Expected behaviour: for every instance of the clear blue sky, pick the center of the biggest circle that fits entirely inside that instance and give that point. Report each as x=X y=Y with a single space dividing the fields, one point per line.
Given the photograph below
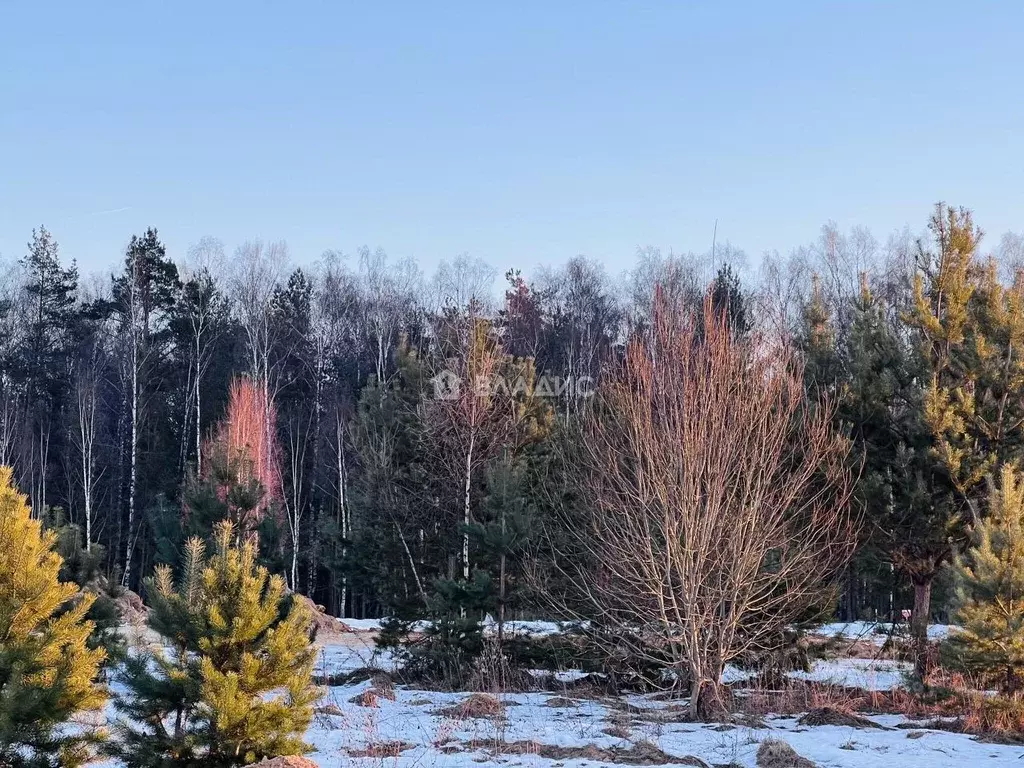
x=520 y=134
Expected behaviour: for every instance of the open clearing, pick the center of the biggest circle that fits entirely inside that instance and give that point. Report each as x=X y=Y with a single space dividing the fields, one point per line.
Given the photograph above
x=552 y=729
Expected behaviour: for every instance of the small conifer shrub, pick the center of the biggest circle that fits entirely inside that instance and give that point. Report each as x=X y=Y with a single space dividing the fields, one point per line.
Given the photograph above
x=236 y=683
x=47 y=668
x=990 y=577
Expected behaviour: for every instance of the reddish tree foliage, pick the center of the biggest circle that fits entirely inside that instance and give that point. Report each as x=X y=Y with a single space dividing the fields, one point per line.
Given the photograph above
x=244 y=447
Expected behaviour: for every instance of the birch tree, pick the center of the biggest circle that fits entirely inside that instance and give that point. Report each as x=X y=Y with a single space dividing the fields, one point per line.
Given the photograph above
x=200 y=320
x=475 y=410
x=389 y=290
x=256 y=275
x=88 y=385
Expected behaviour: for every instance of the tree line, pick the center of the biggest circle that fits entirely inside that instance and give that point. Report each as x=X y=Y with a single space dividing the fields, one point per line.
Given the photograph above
x=380 y=487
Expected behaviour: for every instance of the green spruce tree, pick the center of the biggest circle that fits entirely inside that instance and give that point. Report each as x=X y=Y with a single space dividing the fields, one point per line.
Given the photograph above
x=47 y=669
x=903 y=488
x=728 y=298
x=236 y=684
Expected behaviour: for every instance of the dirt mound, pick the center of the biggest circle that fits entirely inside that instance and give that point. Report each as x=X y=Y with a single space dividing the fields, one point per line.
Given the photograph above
x=131 y=608
x=323 y=622
x=833 y=716
x=476 y=705
x=292 y=761
x=778 y=754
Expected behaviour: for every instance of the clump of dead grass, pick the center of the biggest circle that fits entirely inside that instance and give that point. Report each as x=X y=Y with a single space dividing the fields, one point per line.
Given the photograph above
x=834 y=716
x=381 y=749
x=639 y=753
x=476 y=705
x=774 y=753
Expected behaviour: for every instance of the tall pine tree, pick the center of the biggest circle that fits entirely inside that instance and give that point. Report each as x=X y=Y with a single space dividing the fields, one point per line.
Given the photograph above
x=43 y=366
x=970 y=330
x=142 y=297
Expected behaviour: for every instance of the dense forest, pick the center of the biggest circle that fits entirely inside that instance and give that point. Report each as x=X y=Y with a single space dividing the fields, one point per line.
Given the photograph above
x=388 y=486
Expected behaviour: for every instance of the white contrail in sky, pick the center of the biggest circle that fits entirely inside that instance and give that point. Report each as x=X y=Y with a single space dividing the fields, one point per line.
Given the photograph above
x=112 y=210
x=94 y=214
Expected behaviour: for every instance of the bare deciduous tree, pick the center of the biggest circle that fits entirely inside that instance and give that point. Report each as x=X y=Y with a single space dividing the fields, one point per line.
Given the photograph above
x=257 y=273
x=462 y=282
x=714 y=507
x=10 y=328
x=202 y=307
x=482 y=413
x=463 y=423
x=587 y=321
x=389 y=290
x=88 y=383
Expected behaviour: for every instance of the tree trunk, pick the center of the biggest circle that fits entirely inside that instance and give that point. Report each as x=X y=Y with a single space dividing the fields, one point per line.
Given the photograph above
x=343 y=518
x=695 y=692
x=919 y=623
x=467 y=518
x=412 y=564
x=501 y=590
x=85 y=433
x=295 y=556
x=133 y=468
x=199 y=409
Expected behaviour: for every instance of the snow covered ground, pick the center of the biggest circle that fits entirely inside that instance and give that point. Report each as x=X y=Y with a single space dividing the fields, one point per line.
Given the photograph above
x=548 y=730
x=877 y=632
x=869 y=674
x=442 y=741
x=535 y=628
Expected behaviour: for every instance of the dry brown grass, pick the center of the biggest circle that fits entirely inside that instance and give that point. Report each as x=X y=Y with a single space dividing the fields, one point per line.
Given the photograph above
x=778 y=754
x=291 y=761
x=332 y=710
x=617 y=731
x=381 y=749
x=476 y=705
x=994 y=718
x=952 y=702
x=798 y=697
x=640 y=753
x=833 y=716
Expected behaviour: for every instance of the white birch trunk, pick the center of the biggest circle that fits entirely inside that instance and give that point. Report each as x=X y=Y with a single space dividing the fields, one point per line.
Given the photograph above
x=466 y=505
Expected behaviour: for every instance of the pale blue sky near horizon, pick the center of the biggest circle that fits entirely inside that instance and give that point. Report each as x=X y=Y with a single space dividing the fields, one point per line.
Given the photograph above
x=520 y=133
